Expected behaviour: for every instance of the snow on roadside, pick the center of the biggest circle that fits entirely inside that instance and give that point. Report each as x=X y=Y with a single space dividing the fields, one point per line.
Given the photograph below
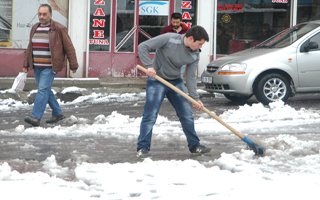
x=254 y=119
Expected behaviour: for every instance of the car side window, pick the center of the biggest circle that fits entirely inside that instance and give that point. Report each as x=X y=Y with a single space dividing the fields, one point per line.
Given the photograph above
x=313 y=44
x=316 y=39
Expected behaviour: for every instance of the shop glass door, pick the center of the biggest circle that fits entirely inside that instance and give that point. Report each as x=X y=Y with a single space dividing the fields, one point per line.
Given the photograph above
x=136 y=21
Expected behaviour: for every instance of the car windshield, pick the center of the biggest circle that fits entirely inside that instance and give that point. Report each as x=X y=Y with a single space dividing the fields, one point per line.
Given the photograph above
x=288 y=36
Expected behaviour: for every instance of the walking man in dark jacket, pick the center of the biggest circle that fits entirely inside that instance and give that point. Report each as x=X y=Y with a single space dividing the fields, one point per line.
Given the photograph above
x=49 y=44
x=172 y=51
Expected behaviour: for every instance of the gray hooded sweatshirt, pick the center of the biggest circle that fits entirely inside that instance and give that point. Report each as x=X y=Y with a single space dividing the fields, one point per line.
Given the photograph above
x=171 y=55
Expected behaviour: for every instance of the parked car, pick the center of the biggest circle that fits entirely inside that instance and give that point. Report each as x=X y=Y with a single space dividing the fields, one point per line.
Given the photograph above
x=276 y=69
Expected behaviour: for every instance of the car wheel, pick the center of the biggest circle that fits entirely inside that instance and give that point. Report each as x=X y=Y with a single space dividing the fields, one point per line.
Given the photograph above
x=237 y=98
x=272 y=87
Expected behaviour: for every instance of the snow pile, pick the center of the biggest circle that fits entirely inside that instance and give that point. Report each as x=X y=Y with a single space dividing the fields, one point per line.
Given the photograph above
x=9 y=104
x=240 y=175
x=73 y=89
x=258 y=118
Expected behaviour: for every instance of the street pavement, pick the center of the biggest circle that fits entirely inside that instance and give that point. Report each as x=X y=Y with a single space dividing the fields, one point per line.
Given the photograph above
x=95 y=149
x=70 y=150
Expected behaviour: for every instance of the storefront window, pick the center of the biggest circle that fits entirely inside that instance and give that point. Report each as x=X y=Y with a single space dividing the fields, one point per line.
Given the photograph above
x=308 y=10
x=100 y=25
x=125 y=28
x=18 y=16
x=242 y=24
x=5 y=23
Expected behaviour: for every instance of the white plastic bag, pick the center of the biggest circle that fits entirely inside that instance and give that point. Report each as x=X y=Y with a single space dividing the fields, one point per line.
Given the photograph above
x=19 y=81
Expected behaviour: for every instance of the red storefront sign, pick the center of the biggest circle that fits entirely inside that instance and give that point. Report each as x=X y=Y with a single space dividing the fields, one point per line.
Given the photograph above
x=230 y=7
x=98 y=26
x=186 y=6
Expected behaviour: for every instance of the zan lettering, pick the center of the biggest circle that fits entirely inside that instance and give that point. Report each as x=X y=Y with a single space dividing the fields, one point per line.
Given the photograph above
x=99 y=2
x=99 y=12
x=186 y=16
x=186 y=5
x=99 y=23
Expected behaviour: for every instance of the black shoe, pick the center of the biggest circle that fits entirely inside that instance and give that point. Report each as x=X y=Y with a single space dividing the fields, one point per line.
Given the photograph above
x=143 y=153
x=55 y=119
x=32 y=120
x=201 y=149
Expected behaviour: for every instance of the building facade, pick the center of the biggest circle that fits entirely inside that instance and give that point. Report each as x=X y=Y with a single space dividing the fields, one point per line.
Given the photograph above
x=106 y=33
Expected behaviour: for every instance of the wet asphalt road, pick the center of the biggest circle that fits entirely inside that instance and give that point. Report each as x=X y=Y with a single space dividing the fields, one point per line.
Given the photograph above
x=96 y=149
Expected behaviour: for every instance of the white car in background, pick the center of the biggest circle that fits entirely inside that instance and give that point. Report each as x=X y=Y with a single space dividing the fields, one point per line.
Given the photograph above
x=285 y=64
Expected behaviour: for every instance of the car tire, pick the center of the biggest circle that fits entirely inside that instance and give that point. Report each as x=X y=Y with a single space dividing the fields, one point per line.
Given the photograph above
x=240 y=99
x=272 y=87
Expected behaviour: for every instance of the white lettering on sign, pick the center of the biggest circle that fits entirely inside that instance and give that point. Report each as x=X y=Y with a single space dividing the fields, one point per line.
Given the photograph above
x=279 y=1
x=99 y=42
x=154 y=8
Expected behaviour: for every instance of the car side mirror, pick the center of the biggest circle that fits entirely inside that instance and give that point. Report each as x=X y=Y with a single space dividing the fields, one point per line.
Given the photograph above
x=310 y=46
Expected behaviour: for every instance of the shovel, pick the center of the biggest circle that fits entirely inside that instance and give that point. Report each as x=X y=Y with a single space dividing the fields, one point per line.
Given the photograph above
x=258 y=149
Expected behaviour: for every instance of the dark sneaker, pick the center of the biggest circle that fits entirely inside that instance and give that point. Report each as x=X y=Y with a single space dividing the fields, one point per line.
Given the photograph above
x=32 y=120
x=55 y=119
x=143 y=153
x=201 y=149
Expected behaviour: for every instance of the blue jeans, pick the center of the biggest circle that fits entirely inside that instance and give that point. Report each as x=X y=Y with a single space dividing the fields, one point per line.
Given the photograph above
x=44 y=79
x=155 y=93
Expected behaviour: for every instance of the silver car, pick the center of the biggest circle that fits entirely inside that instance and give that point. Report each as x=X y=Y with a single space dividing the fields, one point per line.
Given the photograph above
x=285 y=64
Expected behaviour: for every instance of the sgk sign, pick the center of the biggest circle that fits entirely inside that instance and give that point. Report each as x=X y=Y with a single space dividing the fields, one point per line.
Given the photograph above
x=154 y=8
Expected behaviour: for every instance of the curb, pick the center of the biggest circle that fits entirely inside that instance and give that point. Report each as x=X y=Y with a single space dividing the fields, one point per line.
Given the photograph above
x=110 y=82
